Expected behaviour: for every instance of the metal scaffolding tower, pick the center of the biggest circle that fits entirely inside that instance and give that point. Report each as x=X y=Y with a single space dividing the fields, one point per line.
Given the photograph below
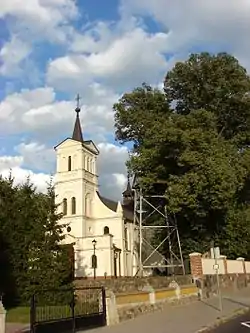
x=154 y=206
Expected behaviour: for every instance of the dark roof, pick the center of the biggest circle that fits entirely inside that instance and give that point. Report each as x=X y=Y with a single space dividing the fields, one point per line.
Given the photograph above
x=108 y=202
x=77 y=133
x=128 y=212
x=128 y=191
x=111 y=204
x=87 y=143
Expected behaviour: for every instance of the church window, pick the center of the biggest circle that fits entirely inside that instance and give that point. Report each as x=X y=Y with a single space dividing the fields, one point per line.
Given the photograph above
x=69 y=163
x=65 y=208
x=106 y=230
x=73 y=205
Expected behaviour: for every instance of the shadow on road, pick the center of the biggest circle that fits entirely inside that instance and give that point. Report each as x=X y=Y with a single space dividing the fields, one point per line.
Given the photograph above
x=236 y=302
x=210 y=305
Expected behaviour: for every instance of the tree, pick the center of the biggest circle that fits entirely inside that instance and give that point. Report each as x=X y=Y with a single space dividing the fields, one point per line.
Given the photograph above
x=137 y=111
x=196 y=152
x=49 y=262
x=8 y=286
x=33 y=232
x=216 y=83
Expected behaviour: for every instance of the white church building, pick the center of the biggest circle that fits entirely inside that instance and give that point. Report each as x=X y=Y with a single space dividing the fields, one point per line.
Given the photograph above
x=101 y=231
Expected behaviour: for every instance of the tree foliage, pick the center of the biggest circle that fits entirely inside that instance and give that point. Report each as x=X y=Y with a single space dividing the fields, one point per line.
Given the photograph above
x=32 y=257
x=196 y=151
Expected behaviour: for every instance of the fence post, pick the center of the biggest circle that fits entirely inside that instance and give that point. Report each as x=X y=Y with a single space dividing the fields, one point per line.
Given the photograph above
x=224 y=258
x=73 y=312
x=104 y=307
x=2 y=317
x=196 y=265
x=197 y=271
x=32 y=313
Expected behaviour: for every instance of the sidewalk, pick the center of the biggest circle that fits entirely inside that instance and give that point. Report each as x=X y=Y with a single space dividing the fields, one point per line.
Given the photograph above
x=183 y=319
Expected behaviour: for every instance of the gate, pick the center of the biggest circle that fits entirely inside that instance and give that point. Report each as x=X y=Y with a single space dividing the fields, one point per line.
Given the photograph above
x=68 y=311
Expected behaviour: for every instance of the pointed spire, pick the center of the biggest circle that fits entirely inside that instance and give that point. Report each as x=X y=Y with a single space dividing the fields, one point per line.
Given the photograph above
x=77 y=133
x=128 y=191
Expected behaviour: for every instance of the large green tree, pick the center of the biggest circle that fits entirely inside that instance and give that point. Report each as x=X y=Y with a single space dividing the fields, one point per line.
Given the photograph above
x=31 y=255
x=216 y=83
x=196 y=151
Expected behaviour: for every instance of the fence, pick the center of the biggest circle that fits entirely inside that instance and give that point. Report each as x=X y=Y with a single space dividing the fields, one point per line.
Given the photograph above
x=208 y=266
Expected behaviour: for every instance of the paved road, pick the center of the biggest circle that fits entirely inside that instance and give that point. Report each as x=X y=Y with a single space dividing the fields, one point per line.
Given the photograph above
x=235 y=325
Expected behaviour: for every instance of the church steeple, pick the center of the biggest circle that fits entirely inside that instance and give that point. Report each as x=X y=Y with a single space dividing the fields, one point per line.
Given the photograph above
x=77 y=133
x=127 y=194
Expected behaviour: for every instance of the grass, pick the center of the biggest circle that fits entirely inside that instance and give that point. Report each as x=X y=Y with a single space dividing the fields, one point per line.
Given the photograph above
x=22 y=314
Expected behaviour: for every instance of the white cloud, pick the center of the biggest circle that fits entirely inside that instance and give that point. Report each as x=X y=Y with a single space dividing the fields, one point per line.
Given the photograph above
x=12 y=54
x=37 y=156
x=38 y=112
x=112 y=169
x=224 y=24
x=40 y=18
x=40 y=180
x=111 y=166
x=9 y=162
x=13 y=165
x=128 y=59
x=33 y=21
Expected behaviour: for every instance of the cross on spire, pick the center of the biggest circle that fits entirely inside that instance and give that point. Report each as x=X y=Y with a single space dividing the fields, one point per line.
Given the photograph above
x=77 y=133
x=78 y=109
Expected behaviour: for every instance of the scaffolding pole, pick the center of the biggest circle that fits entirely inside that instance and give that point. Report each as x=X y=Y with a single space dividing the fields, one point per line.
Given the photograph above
x=172 y=235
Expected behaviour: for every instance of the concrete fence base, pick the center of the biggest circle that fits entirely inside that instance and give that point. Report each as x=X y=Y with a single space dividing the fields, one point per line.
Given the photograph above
x=121 y=307
x=2 y=318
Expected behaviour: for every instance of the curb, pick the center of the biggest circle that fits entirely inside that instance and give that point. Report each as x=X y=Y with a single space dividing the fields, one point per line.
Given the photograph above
x=224 y=319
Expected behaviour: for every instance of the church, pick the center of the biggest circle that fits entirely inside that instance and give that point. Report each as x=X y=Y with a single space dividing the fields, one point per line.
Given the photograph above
x=101 y=231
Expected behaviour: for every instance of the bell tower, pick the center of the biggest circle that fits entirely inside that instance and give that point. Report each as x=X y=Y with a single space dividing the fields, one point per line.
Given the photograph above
x=76 y=179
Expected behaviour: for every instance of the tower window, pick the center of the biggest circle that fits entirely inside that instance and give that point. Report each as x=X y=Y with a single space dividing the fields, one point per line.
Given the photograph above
x=73 y=205
x=65 y=206
x=106 y=230
x=69 y=163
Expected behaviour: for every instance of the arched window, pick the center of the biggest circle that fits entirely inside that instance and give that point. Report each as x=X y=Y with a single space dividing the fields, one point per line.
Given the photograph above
x=73 y=205
x=69 y=163
x=65 y=206
x=106 y=230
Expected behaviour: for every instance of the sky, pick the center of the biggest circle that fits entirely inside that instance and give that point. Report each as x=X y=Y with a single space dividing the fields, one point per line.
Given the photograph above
x=51 y=50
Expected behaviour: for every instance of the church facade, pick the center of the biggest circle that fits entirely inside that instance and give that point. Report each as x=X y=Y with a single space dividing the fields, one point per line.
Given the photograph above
x=100 y=230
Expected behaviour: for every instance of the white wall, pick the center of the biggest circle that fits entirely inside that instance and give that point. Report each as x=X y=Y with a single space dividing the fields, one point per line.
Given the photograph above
x=247 y=264
x=208 y=266
x=235 y=266
x=83 y=256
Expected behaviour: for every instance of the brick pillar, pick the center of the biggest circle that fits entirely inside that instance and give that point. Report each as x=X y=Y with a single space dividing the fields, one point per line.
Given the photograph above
x=224 y=258
x=243 y=263
x=196 y=265
x=244 y=274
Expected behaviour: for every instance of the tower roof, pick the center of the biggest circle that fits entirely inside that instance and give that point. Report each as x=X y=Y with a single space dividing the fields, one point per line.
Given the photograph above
x=77 y=133
x=128 y=191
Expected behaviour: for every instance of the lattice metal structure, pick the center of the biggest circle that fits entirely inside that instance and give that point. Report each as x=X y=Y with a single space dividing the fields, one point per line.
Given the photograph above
x=153 y=208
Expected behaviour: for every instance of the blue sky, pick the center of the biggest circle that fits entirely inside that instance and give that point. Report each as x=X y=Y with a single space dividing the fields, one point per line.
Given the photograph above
x=50 y=50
